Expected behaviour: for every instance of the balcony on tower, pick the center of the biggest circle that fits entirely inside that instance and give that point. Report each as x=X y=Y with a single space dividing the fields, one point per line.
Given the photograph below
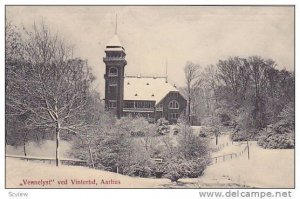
x=115 y=59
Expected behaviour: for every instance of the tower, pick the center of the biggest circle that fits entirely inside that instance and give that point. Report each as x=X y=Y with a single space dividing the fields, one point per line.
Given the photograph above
x=114 y=76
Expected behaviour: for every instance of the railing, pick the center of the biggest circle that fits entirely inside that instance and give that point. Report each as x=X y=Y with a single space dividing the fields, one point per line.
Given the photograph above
x=223 y=145
x=230 y=156
x=114 y=59
x=138 y=109
x=44 y=159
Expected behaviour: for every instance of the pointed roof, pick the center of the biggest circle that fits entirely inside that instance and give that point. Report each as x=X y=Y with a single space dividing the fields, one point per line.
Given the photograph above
x=115 y=41
x=114 y=44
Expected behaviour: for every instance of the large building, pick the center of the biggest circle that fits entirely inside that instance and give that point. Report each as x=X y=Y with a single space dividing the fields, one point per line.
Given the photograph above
x=151 y=97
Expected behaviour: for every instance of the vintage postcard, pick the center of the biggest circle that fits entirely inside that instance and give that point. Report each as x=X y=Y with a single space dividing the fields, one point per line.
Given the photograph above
x=149 y=97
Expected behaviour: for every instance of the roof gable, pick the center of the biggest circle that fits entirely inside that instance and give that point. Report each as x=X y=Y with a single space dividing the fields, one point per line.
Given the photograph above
x=170 y=93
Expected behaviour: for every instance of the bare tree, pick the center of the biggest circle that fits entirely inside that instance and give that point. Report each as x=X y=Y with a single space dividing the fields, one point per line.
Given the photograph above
x=210 y=75
x=48 y=87
x=234 y=73
x=259 y=75
x=191 y=71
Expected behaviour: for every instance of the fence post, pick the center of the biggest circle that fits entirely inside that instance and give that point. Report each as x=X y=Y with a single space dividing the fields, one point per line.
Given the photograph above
x=248 y=150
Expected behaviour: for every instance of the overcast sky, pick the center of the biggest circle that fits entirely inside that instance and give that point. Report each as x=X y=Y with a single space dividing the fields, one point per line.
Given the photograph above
x=155 y=34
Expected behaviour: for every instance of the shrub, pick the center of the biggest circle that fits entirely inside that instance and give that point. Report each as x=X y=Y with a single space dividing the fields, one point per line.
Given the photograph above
x=134 y=126
x=179 y=167
x=279 y=136
x=115 y=149
x=139 y=163
x=277 y=141
x=174 y=170
x=162 y=126
x=188 y=157
x=243 y=136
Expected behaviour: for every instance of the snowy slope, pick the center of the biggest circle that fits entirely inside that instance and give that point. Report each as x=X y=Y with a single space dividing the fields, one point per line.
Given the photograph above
x=45 y=149
x=267 y=168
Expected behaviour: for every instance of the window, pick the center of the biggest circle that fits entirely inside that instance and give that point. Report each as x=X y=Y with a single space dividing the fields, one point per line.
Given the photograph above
x=113 y=81
x=112 y=93
x=112 y=104
x=129 y=104
x=113 y=72
x=160 y=107
x=143 y=104
x=173 y=116
x=173 y=105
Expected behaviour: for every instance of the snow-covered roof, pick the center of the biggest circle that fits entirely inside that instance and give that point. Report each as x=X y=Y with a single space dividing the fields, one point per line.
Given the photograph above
x=115 y=41
x=146 y=88
x=114 y=44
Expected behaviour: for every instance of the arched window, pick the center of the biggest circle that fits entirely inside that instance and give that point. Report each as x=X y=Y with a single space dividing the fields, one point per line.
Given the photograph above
x=173 y=104
x=113 y=72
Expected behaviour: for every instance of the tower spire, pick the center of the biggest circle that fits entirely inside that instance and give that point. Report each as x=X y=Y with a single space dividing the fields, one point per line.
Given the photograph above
x=116 y=28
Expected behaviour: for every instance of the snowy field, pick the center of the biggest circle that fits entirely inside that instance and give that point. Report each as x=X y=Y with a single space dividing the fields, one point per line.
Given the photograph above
x=46 y=149
x=267 y=168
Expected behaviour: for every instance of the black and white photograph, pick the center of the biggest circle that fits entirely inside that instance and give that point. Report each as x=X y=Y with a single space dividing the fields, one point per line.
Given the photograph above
x=149 y=96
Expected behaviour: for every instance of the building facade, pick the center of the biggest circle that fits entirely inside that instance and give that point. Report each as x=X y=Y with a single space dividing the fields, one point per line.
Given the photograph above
x=150 y=97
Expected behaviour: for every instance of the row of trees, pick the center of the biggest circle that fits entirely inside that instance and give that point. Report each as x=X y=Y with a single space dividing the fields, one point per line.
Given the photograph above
x=248 y=93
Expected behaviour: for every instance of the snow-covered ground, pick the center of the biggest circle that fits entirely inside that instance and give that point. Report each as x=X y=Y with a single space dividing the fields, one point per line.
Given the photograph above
x=267 y=168
x=45 y=149
x=17 y=171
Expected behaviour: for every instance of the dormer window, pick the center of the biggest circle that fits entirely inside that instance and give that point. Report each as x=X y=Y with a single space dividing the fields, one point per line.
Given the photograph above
x=113 y=72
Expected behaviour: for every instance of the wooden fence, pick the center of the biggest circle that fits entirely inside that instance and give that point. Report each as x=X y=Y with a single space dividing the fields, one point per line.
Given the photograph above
x=48 y=159
x=223 y=145
x=230 y=156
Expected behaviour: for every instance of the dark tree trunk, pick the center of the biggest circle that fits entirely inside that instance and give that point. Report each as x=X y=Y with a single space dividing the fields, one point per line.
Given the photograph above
x=248 y=150
x=189 y=110
x=57 y=137
x=24 y=144
x=91 y=156
x=6 y=142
